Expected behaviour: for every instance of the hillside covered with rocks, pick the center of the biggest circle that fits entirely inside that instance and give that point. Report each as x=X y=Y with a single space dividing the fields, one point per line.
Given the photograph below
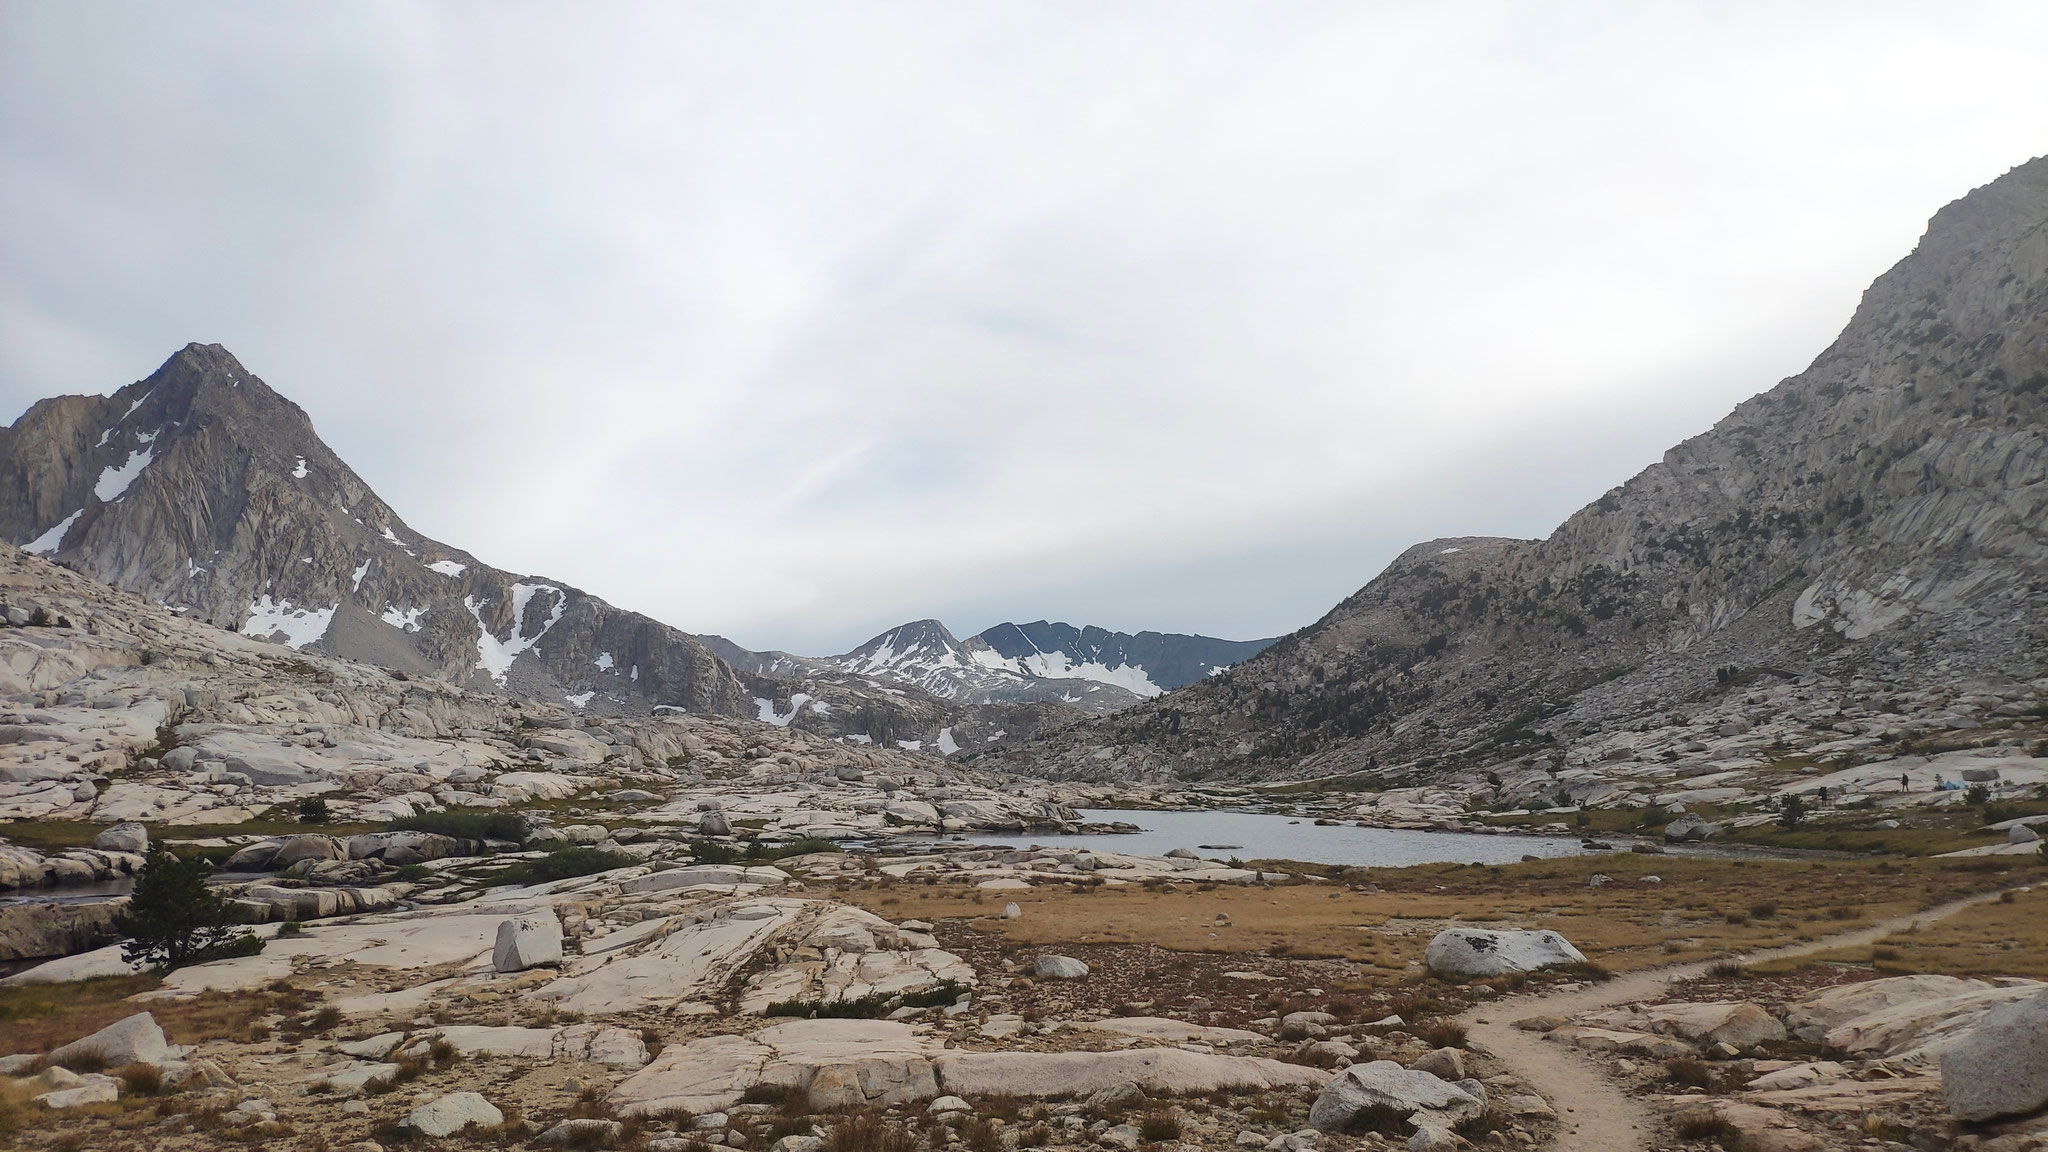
x=1873 y=530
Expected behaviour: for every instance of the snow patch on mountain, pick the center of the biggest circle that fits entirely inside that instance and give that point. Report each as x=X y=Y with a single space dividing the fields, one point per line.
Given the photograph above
x=449 y=568
x=407 y=620
x=52 y=540
x=355 y=580
x=496 y=656
x=769 y=715
x=1060 y=666
x=300 y=626
x=116 y=478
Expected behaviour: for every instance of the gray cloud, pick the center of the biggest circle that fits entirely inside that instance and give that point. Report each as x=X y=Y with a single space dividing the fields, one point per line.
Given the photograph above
x=791 y=323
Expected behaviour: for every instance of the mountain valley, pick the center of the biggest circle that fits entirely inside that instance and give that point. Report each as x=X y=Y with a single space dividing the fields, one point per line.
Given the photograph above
x=483 y=860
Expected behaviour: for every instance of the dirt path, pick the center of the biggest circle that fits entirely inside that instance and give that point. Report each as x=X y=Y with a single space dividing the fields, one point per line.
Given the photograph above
x=1596 y=1115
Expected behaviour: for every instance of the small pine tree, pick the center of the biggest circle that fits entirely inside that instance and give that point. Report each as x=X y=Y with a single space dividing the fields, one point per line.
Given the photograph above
x=174 y=918
x=1791 y=811
x=312 y=810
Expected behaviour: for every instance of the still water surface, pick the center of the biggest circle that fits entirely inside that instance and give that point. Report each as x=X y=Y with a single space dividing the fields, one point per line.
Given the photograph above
x=1259 y=836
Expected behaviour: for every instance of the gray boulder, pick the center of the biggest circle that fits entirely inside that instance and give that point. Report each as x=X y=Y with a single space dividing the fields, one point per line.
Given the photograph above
x=133 y=1040
x=402 y=847
x=253 y=857
x=1387 y=1084
x=1058 y=968
x=447 y=1115
x=308 y=847
x=1477 y=953
x=2000 y=1067
x=123 y=838
x=1690 y=827
x=2017 y=834
x=1443 y=1063
x=713 y=823
x=527 y=941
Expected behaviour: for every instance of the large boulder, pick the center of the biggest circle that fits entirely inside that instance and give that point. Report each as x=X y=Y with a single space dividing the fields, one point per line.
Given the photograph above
x=129 y=837
x=1476 y=953
x=253 y=857
x=1688 y=827
x=714 y=823
x=1386 y=1084
x=2017 y=834
x=133 y=1040
x=1717 y=1022
x=527 y=941
x=307 y=847
x=452 y=1113
x=402 y=847
x=1058 y=968
x=2000 y=1067
x=1903 y=1017
x=34 y=931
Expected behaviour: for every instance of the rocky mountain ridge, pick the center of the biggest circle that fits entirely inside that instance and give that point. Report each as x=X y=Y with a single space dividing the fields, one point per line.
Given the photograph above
x=1092 y=669
x=202 y=488
x=1877 y=523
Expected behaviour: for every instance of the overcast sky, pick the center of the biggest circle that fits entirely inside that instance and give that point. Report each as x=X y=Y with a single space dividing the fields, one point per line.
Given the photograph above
x=795 y=321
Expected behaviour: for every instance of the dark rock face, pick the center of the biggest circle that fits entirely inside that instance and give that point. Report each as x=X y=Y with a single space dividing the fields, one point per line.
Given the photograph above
x=1166 y=660
x=1883 y=514
x=203 y=489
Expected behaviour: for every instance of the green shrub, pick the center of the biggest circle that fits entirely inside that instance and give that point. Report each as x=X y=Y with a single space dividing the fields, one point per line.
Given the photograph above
x=712 y=852
x=563 y=863
x=313 y=810
x=465 y=825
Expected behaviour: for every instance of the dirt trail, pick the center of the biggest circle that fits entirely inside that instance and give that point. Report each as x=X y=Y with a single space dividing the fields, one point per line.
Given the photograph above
x=1597 y=1116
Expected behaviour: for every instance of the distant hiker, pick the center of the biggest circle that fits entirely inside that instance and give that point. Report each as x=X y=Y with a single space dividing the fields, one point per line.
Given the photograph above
x=1823 y=794
x=1904 y=784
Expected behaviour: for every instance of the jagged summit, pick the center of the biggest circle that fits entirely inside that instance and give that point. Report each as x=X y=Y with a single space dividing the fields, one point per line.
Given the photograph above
x=202 y=488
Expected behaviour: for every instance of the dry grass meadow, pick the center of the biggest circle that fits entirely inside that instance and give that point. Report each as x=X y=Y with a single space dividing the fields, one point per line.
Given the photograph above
x=1383 y=919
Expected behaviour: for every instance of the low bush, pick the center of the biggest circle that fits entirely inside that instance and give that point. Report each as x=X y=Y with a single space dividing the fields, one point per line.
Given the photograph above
x=1154 y=1127
x=563 y=863
x=465 y=825
x=1384 y=1119
x=1439 y=1033
x=757 y=851
x=141 y=1079
x=868 y=1007
x=712 y=852
x=868 y=1132
x=1691 y=1073
x=1707 y=1128
x=980 y=1134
